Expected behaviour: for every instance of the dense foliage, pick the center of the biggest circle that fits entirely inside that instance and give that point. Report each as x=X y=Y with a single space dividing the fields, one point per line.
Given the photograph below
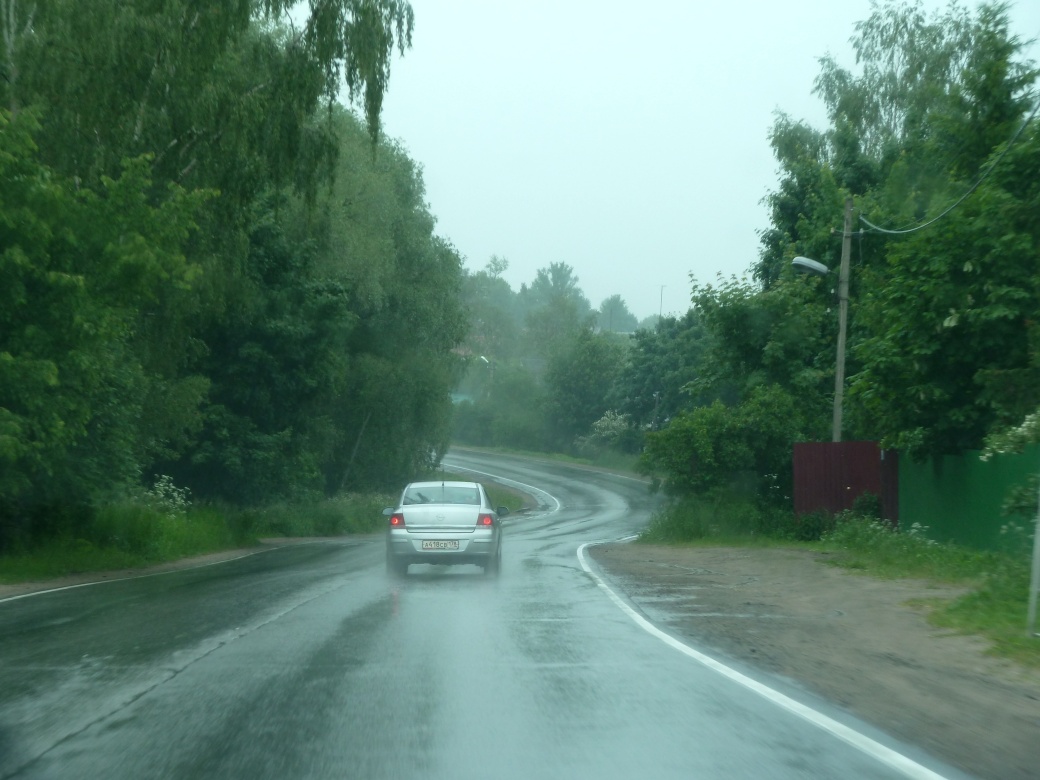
x=211 y=270
x=933 y=137
x=204 y=259
x=933 y=140
x=545 y=371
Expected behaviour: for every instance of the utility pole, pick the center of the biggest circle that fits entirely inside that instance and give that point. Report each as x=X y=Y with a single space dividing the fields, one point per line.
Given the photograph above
x=660 y=305
x=843 y=315
x=1034 y=582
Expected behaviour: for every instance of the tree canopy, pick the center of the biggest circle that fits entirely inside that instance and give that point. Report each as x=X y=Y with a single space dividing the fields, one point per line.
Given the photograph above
x=212 y=270
x=204 y=257
x=933 y=119
x=933 y=135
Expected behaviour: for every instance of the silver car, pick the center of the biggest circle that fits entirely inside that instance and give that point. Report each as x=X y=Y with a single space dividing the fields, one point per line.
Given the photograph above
x=444 y=523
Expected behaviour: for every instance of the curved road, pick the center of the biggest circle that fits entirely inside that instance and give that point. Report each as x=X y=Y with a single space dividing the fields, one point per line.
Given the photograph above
x=309 y=662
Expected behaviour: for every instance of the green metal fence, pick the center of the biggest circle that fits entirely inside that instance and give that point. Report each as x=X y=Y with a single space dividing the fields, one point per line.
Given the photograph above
x=959 y=497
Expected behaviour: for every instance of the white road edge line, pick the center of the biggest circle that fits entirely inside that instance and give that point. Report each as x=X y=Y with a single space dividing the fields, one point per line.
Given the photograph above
x=142 y=576
x=861 y=742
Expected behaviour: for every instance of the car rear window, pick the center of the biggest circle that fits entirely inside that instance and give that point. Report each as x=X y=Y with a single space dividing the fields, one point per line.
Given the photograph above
x=442 y=494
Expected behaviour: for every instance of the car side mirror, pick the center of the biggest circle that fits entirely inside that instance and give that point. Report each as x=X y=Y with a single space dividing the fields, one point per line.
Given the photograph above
x=388 y=511
x=502 y=511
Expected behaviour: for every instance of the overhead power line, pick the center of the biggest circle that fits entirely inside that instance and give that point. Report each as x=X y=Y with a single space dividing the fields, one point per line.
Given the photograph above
x=985 y=175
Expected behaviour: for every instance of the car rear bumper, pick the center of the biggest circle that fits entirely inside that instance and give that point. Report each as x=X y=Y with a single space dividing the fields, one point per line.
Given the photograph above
x=407 y=548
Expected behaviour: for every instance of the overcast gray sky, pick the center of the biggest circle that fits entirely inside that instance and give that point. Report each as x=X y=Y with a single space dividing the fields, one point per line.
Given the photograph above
x=628 y=140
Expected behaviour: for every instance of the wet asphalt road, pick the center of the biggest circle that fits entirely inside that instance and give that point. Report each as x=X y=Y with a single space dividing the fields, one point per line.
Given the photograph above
x=309 y=662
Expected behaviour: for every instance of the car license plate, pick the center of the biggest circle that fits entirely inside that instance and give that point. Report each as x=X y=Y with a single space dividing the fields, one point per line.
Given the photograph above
x=440 y=544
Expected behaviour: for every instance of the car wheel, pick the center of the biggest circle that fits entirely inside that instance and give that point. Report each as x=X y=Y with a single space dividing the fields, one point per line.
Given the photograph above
x=396 y=568
x=494 y=565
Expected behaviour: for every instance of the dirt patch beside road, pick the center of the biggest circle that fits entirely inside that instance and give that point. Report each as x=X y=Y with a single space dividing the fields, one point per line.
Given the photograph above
x=850 y=638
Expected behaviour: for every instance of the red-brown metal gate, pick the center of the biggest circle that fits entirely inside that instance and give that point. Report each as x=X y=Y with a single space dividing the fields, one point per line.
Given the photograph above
x=829 y=476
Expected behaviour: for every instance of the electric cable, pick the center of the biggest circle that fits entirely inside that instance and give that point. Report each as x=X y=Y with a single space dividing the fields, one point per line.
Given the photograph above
x=876 y=229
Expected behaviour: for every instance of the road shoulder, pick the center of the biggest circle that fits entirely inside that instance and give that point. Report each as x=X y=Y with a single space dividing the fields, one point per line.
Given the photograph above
x=852 y=639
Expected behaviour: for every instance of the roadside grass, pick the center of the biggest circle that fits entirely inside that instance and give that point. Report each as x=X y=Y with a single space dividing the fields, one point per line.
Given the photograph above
x=354 y=513
x=997 y=582
x=63 y=557
x=137 y=533
x=996 y=603
x=875 y=546
x=725 y=517
x=123 y=535
x=163 y=525
x=997 y=611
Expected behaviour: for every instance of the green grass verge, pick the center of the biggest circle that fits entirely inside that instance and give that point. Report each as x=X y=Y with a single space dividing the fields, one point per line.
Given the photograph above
x=997 y=611
x=135 y=534
x=725 y=516
x=997 y=583
x=996 y=603
x=349 y=514
x=138 y=533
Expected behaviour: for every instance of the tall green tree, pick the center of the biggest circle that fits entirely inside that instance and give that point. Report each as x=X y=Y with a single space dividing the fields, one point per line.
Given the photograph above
x=578 y=381
x=396 y=419
x=494 y=316
x=661 y=365
x=555 y=309
x=76 y=267
x=950 y=350
x=227 y=304
x=934 y=102
x=934 y=95
x=332 y=368
x=779 y=337
x=613 y=315
x=186 y=82
x=804 y=206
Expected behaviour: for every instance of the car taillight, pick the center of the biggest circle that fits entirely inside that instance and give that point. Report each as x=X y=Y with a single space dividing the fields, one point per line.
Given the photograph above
x=397 y=520
x=485 y=520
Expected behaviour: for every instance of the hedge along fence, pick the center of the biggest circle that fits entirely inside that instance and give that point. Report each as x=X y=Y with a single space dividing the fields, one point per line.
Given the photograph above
x=959 y=497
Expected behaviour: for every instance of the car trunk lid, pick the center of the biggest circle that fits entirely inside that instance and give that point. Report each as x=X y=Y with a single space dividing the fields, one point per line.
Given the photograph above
x=441 y=517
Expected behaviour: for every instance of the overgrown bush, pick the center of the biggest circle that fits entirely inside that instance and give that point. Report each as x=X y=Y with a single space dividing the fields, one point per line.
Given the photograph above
x=808 y=527
x=143 y=530
x=718 y=514
x=708 y=447
x=611 y=432
x=353 y=513
x=731 y=513
x=867 y=504
x=887 y=548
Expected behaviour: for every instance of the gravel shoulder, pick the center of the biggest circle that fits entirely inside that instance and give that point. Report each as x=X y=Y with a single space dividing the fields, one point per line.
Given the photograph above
x=854 y=640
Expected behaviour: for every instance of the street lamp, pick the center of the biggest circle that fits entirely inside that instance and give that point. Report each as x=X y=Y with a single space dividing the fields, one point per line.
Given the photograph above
x=815 y=267
x=491 y=373
x=810 y=266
